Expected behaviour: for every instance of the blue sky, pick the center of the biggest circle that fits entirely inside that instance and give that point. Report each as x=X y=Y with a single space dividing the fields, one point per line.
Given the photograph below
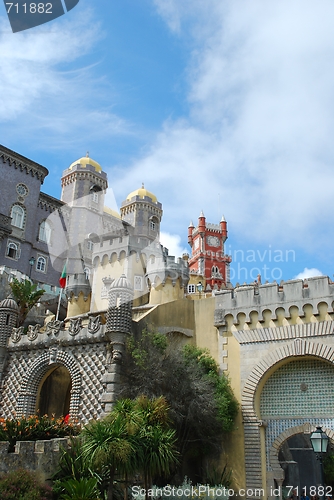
x=224 y=106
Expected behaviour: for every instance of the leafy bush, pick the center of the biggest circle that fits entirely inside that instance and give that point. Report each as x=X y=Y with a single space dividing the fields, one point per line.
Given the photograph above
x=84 y=489
x=23 y=485
x=202 y=404
x=35 y=427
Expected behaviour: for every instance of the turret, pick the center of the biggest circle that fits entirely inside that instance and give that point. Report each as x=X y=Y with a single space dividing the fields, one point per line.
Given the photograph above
x=119 y=326
x=201 y=223
x=208 y=262
x=223 y=227
x=190 y=233
x=78 y=292
x=9 y=312
x=143 y=212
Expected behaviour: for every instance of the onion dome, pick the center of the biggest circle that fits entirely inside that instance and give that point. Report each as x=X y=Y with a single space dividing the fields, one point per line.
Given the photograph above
x=9 y=304
x=142 y=192
x=86 y=160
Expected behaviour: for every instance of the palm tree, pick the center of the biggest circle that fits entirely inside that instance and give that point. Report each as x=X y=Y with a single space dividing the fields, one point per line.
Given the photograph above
x=156 y=440
x=26 y=296
x=108 y=446
x=136 y=436
x=157 y=453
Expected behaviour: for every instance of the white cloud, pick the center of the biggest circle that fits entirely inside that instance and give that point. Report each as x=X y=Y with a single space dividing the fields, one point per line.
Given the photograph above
x=173 y=243
x=260 y=128
x=308 y=273
x=43 y=96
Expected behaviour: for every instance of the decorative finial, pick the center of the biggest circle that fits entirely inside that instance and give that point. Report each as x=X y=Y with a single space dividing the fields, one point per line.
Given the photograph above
x=142 y=185
x=87 y=154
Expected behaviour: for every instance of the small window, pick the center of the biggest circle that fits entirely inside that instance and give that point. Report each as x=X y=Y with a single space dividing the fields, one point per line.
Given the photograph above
x=90 y=245
x=44 y=232
x=152 y=225
x=191 y=288
x=12 y=250
x=95 y=197
x=22 y=189
x=17 y=215
x=41 y=264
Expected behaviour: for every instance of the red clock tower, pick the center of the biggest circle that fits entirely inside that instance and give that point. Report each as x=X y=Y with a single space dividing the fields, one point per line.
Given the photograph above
x=207 y=252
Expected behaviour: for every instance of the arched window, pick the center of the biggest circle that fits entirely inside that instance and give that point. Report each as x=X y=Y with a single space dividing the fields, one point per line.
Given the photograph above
x=44 y=232
x=41 y=264
x=17 y=214
x=12 y=250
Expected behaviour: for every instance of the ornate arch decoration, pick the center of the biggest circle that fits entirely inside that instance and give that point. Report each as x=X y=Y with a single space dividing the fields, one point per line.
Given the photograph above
x=292 y=431
x=31 y=381
x=299 y=347
x=252 y=424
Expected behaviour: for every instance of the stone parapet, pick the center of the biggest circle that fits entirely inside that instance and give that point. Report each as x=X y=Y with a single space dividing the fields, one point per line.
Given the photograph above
x=296 y=294
x=35 y=456
x=168 y=266
x=55 y=334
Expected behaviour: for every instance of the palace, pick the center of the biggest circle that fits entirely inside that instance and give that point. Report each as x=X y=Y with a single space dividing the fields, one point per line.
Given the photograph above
x=274 y=341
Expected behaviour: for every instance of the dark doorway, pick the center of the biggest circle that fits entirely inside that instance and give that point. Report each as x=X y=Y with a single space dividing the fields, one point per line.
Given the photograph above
x=55 y=393
x=301 y=467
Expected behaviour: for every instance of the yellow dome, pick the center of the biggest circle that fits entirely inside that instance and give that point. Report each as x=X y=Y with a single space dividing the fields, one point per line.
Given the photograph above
x=110 y=211
x=85 y=160
x=141 y=193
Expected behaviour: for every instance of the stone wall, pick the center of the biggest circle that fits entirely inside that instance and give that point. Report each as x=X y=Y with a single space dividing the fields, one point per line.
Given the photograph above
x=35 y=456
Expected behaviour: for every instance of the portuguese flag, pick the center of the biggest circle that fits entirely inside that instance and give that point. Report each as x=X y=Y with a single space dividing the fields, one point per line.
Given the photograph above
x=62 y=279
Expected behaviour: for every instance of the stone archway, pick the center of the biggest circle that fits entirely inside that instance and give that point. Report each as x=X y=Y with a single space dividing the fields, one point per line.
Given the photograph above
x=54 y=393
x=40 y=367
x=252 y=423
x=307 y=428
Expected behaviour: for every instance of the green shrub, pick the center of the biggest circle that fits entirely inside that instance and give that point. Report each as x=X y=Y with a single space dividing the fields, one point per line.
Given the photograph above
x=83 y=489
x=23 y=485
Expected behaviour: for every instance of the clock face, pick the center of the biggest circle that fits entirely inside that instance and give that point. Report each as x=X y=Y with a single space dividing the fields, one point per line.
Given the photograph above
x=213 y=241
x=22 y=189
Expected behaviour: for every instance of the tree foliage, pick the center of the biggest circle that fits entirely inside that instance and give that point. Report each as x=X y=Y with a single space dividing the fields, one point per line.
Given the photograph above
x=26 y=295
x=135 y=437
x=202 y=404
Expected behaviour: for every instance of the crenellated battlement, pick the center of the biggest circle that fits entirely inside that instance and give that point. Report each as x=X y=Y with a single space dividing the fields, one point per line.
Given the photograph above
x=276 y=305
x=168 y=266
x=36 y=456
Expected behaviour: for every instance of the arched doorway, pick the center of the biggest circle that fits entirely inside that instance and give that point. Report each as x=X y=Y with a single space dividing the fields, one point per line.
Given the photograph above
x=298 y=395
x=54 y=392
x=299 y=462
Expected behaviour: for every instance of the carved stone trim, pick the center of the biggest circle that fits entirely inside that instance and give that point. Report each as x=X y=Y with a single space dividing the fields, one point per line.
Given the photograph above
x=318 y=329
x=33 y=332
x=30 y=384
x=16 y=334
x=53 y=327
x=75 y=327
x=94 y=324
x=298 y=347
x=23 y=163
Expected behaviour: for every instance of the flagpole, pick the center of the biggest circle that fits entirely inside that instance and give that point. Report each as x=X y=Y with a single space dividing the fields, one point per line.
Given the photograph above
x=59 y=300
